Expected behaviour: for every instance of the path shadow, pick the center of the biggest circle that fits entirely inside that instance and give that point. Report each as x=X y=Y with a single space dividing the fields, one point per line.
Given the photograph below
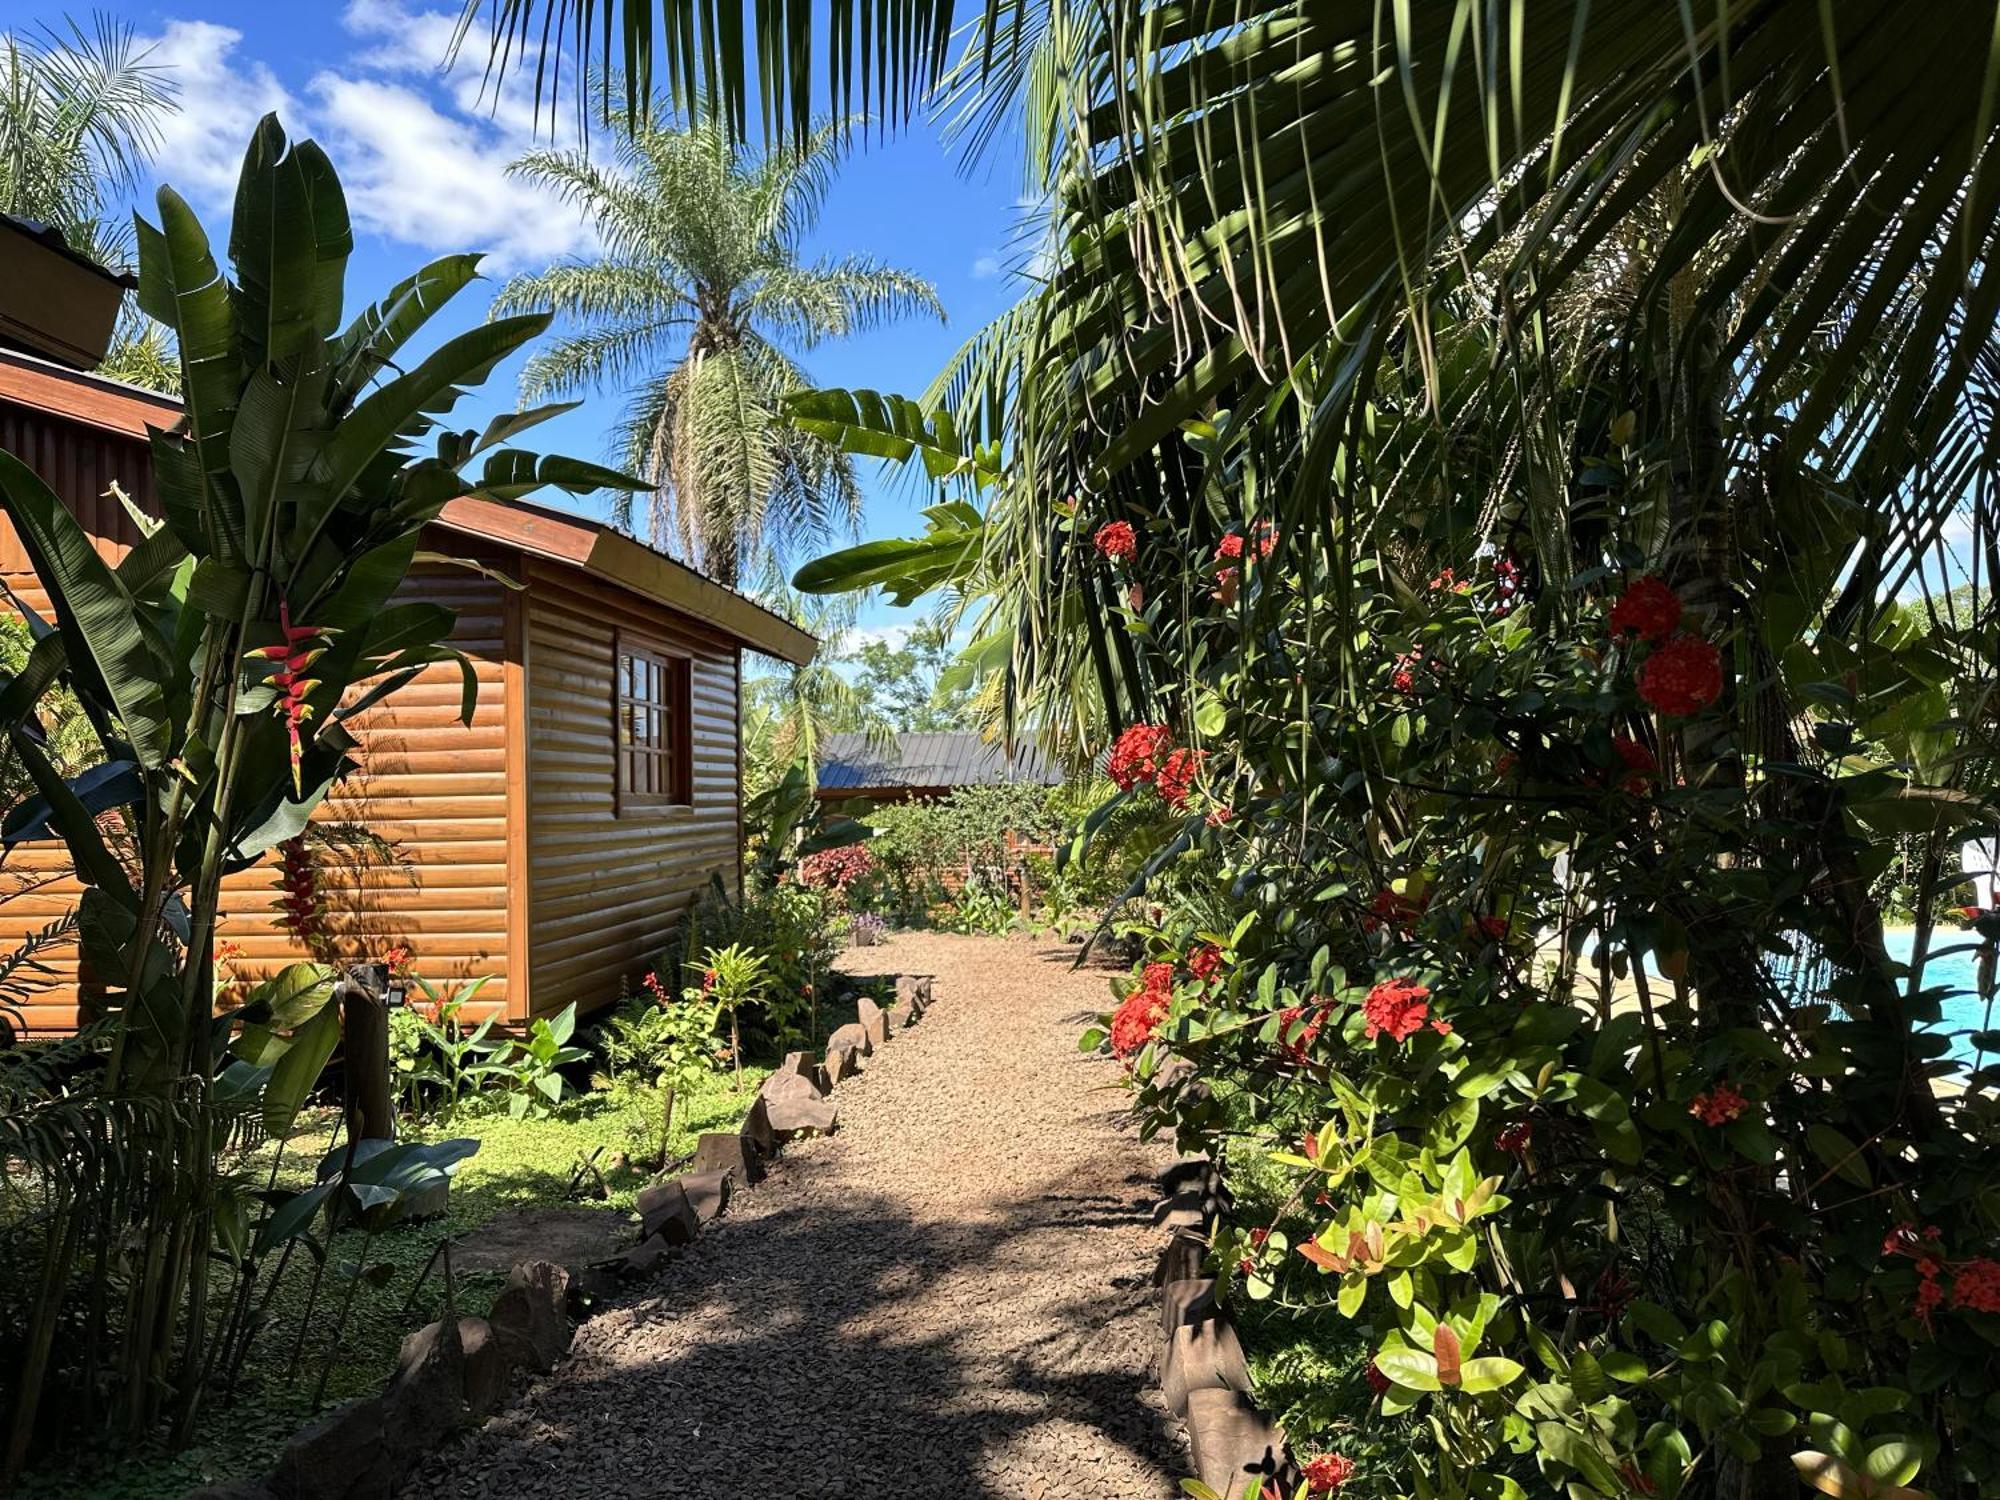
x=780 y=1356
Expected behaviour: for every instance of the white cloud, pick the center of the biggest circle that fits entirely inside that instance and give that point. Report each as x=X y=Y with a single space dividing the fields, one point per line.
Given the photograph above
x=221 y=101
x=438 y=180
x=892 y=636
x=422 y=153
x=987 y=265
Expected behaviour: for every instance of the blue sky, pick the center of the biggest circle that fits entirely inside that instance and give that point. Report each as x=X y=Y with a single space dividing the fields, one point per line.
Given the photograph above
x=423 y=155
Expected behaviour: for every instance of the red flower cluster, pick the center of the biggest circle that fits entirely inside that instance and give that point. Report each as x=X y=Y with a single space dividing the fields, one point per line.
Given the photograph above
x=1448 y=582
x=1975 y=1286
x=1328 y=1472
x=1515 y=1139
x=835 y=869
x=1298 y=1043
x=1922 y=1248
x=1404 y=678
x=1681 y=676
x=1398 y=1007
x=1719 y=1105
x=298 y=881
x=227 y=952
x=1177 y=775
x=1117 y=541
x=1204 y=962
x=300 y=648
x=1230 y=546
x=709 y=980
x=657 y=988
x=1493 y=929
x=1135 y=1021
x=1649 y=610
x=1377 y=1381
x=1392 y=908
x=1261 y=542
x=1137 y=754
x=1506 y=584
x=1640 y=766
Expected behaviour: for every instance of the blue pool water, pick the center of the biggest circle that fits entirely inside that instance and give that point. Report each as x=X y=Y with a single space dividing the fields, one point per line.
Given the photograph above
x=1951 y=967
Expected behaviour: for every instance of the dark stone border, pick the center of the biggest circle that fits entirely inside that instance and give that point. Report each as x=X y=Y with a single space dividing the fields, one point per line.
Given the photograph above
x=456 y=1372
x=1204 y=1378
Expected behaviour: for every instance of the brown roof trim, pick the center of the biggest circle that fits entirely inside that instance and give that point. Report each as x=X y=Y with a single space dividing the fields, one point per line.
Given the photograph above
x=109 y=405
x=595 y=548
x=618 y=559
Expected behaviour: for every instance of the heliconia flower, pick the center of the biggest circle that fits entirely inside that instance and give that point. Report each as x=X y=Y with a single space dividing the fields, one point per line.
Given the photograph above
x=301 y=647
x=298 y=905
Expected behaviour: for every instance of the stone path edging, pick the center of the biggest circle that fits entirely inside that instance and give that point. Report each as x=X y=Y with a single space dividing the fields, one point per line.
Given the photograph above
x=1204 y=1377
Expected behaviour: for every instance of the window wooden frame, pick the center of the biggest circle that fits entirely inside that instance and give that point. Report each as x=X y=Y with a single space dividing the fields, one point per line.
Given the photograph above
x=651 y=725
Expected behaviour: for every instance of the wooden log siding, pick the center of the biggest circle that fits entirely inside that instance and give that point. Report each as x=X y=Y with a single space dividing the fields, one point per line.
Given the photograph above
x=609 y=883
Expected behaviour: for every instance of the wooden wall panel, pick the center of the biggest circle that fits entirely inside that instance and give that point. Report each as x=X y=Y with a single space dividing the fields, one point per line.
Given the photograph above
x=433 y=791
x=607 y=885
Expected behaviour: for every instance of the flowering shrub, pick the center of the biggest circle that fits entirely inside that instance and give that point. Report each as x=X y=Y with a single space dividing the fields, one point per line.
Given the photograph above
x=1116 y=541
x=1602 y=1112
x=835 y=869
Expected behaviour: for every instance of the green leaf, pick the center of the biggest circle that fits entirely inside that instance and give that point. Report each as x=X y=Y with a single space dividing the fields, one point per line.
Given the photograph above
x=1490 y=1373
x=1410 y=1368
x=1838 y=1154
x=109 y=652
x=294 y=1074
x=893 y=428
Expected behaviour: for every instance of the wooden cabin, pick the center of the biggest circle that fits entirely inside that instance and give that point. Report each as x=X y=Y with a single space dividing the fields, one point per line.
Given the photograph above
x=555 y=842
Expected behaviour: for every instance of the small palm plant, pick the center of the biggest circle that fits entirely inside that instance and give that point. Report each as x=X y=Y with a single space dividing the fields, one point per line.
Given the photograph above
x=734 y=977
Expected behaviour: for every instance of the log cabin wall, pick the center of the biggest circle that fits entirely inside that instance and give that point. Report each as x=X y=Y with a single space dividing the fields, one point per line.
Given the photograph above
x=609 y=878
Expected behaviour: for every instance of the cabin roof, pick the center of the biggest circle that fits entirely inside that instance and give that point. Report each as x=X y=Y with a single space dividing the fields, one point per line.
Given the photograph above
x=850 y=763
x=589 y=546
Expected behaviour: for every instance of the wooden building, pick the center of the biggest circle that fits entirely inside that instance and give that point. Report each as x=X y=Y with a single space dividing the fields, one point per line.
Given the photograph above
x=555 y=842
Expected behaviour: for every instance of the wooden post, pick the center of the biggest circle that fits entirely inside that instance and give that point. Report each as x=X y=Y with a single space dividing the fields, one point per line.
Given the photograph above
x=364 y=1032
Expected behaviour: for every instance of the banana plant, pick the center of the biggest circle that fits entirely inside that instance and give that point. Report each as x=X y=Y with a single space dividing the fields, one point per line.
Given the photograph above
x=222 y=660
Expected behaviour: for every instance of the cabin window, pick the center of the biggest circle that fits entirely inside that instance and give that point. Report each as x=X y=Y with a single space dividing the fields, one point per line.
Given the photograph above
x=652 y=728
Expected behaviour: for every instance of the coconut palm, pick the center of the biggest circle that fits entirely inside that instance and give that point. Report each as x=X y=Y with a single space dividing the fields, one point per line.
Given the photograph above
x=79 y=118
x=697 y=308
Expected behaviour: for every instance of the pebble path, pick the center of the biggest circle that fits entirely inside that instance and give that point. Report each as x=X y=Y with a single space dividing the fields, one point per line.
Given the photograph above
x=950 y=1297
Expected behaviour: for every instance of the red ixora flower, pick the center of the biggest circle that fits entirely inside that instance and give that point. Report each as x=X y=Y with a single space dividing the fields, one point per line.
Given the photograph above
x=1177 y=773
x=1649 y=610
x=1117 y=541
x=1398 y=1007
x=1681 y=676
x=1137 y=754
x=1138 y=1018
x=1298 y=1027
x=1404 y=678
x=1640 y=766
x=1377 y=1381
x=1515 y=1139
x=1719 y=1105
x=1204 y=961
x=1327 y=1472
x=1219 y=816
x=1391 y=908
x=1975 y=1285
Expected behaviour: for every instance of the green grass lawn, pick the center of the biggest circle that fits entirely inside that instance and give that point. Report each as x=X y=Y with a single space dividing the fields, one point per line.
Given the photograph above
x=520 y=1163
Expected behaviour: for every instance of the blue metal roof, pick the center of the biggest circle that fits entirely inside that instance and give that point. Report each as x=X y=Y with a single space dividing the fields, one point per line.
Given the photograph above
x=848 y=762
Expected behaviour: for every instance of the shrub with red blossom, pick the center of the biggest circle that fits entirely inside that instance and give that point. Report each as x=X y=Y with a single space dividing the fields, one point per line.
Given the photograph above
x=1681 y=677
x=836 y=869
x=1176 y=778
x=1205 y=962
x=1719 y=1105
x=1137 y=755
x=1326 y=1472
x=1397 y=1007
x=1648 y=611
x=1117 y=541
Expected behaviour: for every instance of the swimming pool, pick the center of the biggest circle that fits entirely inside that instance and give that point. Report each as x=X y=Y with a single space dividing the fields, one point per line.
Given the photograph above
x=1952 y=967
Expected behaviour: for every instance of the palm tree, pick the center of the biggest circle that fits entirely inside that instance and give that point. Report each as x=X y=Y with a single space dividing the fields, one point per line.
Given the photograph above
x=787 y=712
x=79 y=119
x=697 y=307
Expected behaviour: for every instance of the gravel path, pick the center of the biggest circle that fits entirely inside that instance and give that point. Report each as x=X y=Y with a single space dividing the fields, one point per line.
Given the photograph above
x=949 y=1298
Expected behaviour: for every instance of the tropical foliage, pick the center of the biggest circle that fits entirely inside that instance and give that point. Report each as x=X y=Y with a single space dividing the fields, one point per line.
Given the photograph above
x=220 y=662
x=79 y=117
x=1494 y=472
x=697 y=311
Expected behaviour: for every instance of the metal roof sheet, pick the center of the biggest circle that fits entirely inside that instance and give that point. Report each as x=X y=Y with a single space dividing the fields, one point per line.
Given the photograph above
x=848 y=762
